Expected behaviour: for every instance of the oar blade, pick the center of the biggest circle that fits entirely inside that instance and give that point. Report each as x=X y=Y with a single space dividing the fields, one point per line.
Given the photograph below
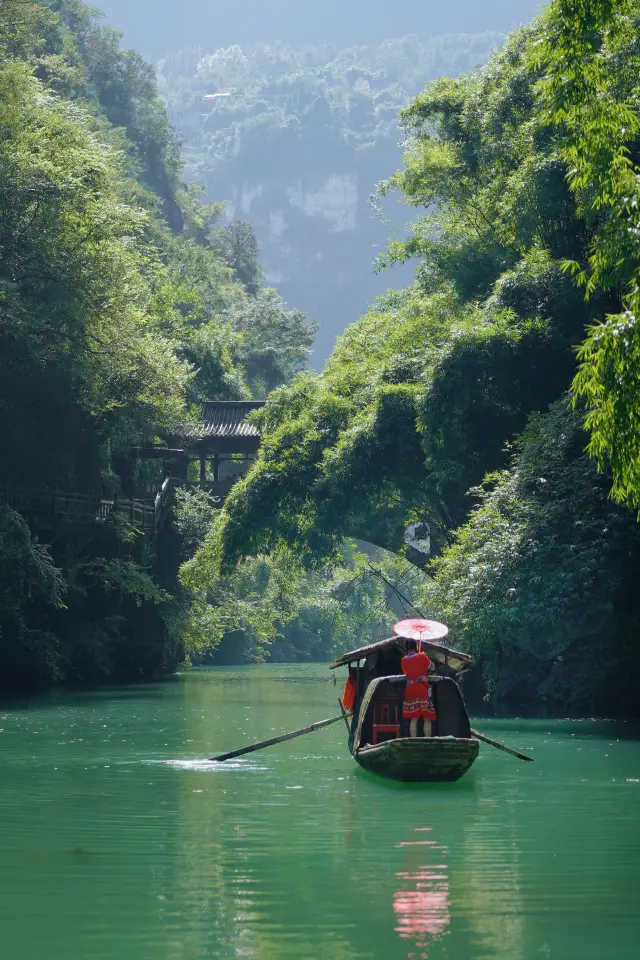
x=501 y=746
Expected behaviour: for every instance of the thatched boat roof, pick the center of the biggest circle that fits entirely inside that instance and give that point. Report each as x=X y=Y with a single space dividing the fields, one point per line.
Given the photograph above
x=454 y=659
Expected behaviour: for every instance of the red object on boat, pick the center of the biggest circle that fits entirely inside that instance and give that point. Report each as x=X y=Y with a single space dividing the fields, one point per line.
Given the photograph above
x=349 y=695
x=420 y=630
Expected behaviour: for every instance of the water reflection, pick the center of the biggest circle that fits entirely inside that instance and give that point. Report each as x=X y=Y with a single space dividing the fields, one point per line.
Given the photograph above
x=298 y=853
x=422 y=905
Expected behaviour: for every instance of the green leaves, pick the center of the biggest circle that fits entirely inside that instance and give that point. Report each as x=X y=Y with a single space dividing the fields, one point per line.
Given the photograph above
x=523 y=183
x=22 y=25
x=590 y=90
x=273 y=607
x=525 y=173
x=32 y=588
x=118 y=317
x=273 y=341
x=237 y=246
x=76 y=277
x=535 y=583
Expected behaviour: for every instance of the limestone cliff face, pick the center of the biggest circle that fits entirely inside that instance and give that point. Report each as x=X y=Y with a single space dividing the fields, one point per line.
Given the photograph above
x=329 y=205
x=295 y=142
x=335 y=200
x=331 y=202
x=318 y=240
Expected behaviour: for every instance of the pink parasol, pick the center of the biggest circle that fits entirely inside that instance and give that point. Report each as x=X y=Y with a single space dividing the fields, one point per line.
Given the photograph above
x=421 y=630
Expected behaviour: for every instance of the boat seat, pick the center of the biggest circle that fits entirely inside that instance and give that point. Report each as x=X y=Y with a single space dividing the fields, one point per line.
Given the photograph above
x=385 y=721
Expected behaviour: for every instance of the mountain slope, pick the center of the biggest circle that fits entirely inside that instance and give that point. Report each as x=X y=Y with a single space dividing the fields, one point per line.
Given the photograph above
x=295 y=141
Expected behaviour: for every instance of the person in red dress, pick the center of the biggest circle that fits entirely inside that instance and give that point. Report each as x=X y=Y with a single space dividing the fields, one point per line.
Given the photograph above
x=417 y=692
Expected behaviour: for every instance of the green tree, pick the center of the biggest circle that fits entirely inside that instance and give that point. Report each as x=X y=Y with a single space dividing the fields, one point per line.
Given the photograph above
x=22 y=23
x=81 y=295
x=31 y=587
x=237 y=245
x=589 y=52
x=271 y=607
x=297 y=139
x=538 y=584
x=274 y=340
x=114 y=323
x=421 y=395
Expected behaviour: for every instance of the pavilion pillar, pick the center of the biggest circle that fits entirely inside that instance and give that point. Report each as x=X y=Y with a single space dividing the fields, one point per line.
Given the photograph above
x=203 y=470
x=216 y=468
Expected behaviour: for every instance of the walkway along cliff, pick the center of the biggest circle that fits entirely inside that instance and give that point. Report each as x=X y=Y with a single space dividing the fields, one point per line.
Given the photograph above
x=223 y=444
x=90 y=586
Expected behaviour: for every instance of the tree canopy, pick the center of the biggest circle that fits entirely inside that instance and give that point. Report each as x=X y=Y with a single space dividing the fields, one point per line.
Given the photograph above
x=462 y=403
x=538 y=583
x=421 y=394
x=119 y=314
x=516 y=190
x=589 y=51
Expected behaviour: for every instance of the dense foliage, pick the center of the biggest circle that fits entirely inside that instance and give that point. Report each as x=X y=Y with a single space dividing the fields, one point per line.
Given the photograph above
x=590 y=52
x=423 y=395
x=539 y=583
x=270 y=607
x=31 y=587
x=123 y=304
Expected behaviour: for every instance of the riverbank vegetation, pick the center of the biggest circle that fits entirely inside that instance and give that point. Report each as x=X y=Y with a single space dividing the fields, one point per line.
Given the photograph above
x=461 y=402
x=490 y=402
x=124 y=303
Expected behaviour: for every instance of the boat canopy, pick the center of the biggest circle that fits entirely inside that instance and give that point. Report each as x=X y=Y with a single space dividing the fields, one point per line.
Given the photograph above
x=453 y=659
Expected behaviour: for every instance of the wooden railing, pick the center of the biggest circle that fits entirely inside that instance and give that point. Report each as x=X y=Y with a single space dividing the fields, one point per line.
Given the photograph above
x=144 y=515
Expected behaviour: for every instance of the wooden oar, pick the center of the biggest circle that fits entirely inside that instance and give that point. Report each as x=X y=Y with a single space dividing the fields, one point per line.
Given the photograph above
x=501 y=746
x=273 y=740
x=344 y=714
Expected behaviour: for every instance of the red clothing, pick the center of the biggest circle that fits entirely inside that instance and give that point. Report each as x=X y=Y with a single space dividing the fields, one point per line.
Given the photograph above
x=417 y=692
x=349 y=695
x=415 y=665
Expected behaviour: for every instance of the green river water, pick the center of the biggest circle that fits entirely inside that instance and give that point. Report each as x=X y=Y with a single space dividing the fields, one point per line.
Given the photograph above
x=116 y=843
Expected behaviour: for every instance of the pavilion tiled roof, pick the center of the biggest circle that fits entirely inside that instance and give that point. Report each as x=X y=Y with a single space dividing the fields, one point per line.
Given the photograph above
x=224 y=418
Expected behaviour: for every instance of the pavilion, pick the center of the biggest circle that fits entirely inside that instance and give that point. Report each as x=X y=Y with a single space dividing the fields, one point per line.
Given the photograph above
x=224 y=444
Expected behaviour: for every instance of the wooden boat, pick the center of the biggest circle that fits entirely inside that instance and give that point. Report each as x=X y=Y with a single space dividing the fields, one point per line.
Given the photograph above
x=421 y=759
x=378 y=735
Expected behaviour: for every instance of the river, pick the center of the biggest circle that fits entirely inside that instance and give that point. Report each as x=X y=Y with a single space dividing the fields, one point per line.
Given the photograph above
x=117 y=843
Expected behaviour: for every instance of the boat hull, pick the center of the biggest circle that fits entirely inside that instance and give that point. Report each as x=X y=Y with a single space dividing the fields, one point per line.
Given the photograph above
x=420 y=759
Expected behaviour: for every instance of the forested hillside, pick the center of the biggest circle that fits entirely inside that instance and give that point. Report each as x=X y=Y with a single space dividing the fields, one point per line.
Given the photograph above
x=493 y=402
x=295 y=141
x=124 y=303
x=460 y=402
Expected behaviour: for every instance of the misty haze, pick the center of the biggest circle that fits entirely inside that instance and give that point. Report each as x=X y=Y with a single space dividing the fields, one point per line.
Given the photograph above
x=304 y=124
